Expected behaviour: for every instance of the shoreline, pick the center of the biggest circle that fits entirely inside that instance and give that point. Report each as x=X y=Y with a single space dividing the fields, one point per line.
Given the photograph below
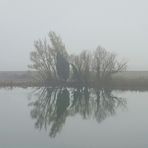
x=128 y=80
x=123 y=85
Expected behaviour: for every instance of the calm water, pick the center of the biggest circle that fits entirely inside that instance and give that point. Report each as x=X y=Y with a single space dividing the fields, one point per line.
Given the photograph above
x=73 y=118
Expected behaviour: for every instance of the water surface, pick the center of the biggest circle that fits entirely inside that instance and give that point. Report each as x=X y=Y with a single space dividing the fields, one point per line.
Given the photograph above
x=73 y=118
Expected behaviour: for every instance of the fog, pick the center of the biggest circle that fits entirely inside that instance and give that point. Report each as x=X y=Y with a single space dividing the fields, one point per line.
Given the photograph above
x=119 y=26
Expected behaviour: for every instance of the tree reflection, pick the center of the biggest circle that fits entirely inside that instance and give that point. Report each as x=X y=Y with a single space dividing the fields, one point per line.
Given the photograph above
x=51 y=106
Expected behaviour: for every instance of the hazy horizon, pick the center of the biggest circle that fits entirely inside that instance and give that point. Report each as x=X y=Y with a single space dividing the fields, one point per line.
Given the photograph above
x=119 y=26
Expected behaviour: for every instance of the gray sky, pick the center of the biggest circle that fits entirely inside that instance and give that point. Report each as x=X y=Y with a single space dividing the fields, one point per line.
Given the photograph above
x=118 y=25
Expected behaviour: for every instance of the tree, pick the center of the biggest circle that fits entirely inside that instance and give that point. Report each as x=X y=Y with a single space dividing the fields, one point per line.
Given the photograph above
x=81 y=65
x=62 y=67
x=105 y=64
x=46 y=61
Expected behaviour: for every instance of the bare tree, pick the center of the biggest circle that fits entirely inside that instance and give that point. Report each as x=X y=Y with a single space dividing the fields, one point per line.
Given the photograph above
x=81 y=65
x=44 y=57
x=97 y=66
x=105 y=64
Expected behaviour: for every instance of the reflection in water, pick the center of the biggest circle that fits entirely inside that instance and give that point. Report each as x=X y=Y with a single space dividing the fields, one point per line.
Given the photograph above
x=53 y=105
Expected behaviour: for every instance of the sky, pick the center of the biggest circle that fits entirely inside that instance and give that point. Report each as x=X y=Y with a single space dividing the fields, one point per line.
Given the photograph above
x=120 y=26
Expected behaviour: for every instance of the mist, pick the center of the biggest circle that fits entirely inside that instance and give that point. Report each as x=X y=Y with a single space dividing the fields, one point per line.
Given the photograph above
x=119 y=26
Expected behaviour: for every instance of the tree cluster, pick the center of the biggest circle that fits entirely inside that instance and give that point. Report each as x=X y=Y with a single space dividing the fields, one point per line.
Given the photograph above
x=53 y=63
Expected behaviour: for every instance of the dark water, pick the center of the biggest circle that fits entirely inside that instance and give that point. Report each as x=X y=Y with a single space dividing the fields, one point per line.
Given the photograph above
x=73 y=118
